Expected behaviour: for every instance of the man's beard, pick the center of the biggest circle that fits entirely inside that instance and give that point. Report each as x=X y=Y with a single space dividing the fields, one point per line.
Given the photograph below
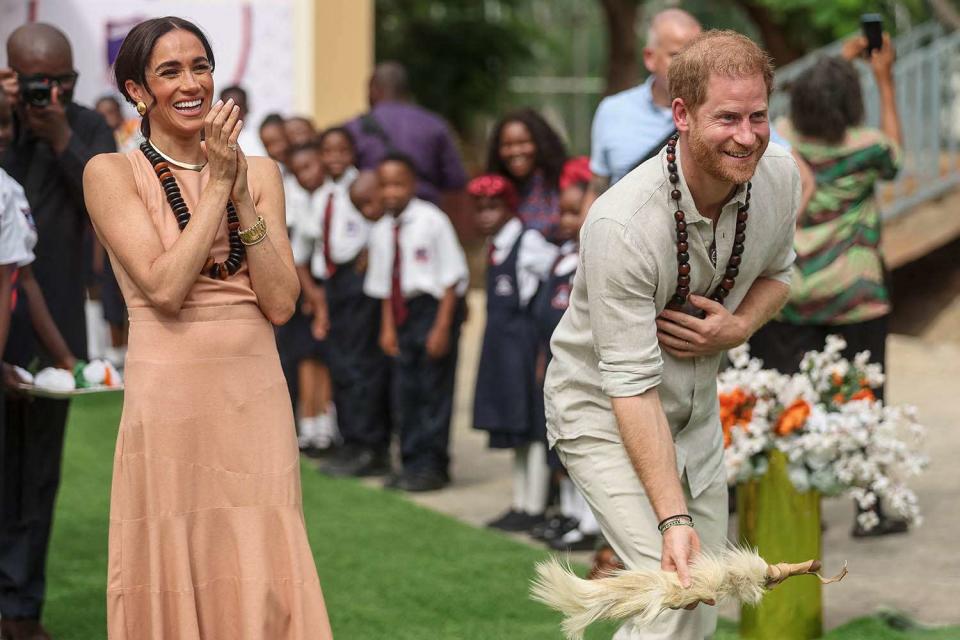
x=711 y=160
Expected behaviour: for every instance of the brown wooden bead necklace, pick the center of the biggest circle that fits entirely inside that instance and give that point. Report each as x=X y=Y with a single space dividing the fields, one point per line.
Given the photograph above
x=679 y=297
x=172 y=191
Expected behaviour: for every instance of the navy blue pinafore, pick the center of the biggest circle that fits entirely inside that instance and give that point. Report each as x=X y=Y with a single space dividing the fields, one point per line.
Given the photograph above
x=551 y=303
x=508 y=401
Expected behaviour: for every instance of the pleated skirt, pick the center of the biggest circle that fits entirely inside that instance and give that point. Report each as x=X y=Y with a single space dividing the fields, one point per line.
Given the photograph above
x=207 y=536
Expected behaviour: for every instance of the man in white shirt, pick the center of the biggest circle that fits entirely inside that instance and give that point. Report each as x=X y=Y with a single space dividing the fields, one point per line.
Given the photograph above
x=419 y=272
x=631 y=392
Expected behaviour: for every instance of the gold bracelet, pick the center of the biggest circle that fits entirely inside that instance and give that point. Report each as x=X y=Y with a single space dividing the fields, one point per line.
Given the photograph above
x=255 y=234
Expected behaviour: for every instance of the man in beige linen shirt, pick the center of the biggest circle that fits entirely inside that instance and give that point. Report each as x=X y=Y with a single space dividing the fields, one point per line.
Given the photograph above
x=631 y=391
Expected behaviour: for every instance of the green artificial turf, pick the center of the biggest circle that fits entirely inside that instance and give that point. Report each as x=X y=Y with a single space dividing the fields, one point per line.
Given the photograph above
x=389 y=569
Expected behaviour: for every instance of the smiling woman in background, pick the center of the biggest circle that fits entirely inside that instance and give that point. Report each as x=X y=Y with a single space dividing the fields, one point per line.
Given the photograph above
x=207 y=538
x=525 y=149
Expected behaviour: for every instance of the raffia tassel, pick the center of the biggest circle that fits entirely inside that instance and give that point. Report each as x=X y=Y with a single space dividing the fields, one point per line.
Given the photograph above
x=737 y=573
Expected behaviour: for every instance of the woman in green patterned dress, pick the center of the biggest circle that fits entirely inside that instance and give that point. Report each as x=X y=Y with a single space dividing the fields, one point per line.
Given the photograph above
x=839 y=280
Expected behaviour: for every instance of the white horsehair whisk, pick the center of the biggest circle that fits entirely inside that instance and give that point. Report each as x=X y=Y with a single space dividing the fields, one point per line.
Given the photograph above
x=642 y=594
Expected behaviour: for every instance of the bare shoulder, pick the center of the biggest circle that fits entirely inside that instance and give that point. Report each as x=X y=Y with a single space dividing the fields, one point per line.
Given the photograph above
x=263 y=169
x=107 y=179
x=105 y=167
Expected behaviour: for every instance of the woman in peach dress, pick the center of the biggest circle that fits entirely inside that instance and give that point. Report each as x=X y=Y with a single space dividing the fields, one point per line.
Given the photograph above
x=207 y=537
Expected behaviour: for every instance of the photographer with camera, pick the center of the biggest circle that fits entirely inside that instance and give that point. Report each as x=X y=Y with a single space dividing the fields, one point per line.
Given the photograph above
x=53 y=139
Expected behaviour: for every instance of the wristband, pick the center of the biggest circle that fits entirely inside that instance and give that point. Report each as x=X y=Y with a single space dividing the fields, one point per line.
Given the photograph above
x=681 y=519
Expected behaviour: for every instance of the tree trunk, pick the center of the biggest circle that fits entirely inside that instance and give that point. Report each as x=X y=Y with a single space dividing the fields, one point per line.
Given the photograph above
x=774 y=35
x=623 y=70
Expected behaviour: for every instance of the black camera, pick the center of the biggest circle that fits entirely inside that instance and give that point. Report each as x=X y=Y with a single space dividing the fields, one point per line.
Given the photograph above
x=36 y=89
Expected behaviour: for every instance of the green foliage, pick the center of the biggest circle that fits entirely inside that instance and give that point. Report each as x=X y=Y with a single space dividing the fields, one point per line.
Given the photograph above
x=814 y=23
x=389 y=569
x=459 y=53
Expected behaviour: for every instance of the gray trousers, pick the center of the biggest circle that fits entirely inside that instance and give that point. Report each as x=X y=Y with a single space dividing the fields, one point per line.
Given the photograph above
x=604 y=474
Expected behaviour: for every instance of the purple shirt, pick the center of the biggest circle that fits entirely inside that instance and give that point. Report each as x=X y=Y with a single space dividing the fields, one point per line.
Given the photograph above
x=417 y=133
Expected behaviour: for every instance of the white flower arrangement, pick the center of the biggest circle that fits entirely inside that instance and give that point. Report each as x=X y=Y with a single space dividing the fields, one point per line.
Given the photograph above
x=837 y=437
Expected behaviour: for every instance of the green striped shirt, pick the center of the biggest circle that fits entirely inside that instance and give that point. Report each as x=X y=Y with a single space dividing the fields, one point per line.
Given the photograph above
x=838 y=277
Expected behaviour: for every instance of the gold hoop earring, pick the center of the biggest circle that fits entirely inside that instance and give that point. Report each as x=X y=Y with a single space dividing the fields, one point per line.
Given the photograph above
x=141 y=108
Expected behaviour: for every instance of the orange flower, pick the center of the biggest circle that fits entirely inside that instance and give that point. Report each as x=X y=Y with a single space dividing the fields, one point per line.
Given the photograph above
x=793 y=418
x=736 y=408
x=863 y=394
x=839 y=398
x=837 y=379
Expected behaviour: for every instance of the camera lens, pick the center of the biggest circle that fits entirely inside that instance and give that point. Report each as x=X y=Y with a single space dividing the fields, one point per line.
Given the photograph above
x=36 y=92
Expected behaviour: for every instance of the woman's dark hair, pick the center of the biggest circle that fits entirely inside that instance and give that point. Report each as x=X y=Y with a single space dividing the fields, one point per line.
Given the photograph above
x=551 y=152
x=137 y=47
x=343 y=131
x=826 y=99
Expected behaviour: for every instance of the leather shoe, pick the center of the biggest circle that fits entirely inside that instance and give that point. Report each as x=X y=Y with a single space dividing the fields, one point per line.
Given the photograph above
x=360 y=464
x=605 y=562
x=420 y=481
x=23 y=629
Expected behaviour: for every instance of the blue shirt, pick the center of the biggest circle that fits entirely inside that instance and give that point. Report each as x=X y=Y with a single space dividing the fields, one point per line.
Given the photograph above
x=625 y=128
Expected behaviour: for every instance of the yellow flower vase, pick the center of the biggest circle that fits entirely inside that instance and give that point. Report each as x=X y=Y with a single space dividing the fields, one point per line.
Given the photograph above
x=784 y=525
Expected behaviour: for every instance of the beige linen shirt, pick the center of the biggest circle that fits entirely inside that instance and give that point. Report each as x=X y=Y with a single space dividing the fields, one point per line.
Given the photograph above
x=606 y=343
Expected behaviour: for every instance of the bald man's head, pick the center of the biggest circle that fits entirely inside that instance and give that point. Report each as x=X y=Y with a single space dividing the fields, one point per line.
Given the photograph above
x=389 y=82
x=670 y=31
x=39 y=48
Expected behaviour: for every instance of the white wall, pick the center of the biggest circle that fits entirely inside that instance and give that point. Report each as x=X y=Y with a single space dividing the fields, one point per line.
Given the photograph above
x=253 y=42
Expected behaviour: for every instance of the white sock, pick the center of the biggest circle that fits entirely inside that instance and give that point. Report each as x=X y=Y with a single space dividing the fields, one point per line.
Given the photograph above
x=323 y=436
x=306 y=428
x=538 y=478
x=519 y=478
x=588 y=522
x=334 y=425
x=568 y=498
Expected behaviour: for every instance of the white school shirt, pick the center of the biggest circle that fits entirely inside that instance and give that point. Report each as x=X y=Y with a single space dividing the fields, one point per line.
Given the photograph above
x=431 y=258
x=569 y=259
x=349 y=230
x=18 y=233
x=535 y=256
x=295 y=198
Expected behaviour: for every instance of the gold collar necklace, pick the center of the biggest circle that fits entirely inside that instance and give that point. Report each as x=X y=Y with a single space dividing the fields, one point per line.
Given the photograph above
x=177 y=163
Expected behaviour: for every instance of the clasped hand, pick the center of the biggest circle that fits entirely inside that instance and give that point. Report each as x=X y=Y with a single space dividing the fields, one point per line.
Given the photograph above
x=685 y=336
x=221 y=128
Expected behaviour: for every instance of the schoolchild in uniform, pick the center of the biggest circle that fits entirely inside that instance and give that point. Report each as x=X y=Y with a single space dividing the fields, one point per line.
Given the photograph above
x=418 y=270
x=508 y=401
x=334 y=250
x=575 y=528
x=18 y=286
x=273 y=137
x=306 y=330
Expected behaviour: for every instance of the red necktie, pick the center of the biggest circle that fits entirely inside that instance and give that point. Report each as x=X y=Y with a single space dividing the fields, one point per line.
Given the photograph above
x=491 y=248
x=397 y=303
x=327 y=215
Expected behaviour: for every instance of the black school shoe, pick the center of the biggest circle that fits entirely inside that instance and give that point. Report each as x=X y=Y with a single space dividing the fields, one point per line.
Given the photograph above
x=418 y=481
x=516 y=521
x=885 y=527
x=357 y=462
x=553 y=528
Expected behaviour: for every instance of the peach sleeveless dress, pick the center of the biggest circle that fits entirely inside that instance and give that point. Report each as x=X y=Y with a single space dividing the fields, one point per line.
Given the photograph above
x=207 y=536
